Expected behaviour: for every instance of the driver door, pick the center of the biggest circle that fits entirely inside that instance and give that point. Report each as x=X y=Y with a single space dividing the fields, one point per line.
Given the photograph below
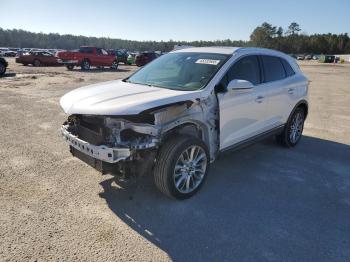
x=243 y=112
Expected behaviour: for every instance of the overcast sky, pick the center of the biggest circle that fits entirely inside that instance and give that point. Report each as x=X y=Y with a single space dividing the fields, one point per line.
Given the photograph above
x=177 y=19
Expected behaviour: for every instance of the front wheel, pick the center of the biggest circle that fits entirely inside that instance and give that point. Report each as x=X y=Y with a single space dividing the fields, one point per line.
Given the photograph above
x=85 y=65
x=36 y=63
x=181 y=167
x=70 y=67
x=114 y=65
x=293 y=130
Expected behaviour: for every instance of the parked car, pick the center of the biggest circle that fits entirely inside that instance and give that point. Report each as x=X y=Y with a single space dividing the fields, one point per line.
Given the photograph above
x=9 y=53
x=308 y=57
x=131 y=59
x=176 y=114
x=316 y=57
x=300 y=57
x=122 y=56
x=145 y=57
x=86 y=57
x=37 y=58
x=3 y=66
x=3 y=50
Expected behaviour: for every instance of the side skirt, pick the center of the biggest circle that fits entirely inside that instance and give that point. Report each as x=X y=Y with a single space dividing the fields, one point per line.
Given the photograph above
x=254 y=139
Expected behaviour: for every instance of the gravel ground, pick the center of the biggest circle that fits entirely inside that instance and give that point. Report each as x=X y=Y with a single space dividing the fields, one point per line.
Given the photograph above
x=262 y=203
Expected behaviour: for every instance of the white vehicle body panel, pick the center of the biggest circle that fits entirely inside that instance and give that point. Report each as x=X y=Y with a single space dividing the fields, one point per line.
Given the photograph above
x=241 y=114
x=281 y=98
x=120 y=98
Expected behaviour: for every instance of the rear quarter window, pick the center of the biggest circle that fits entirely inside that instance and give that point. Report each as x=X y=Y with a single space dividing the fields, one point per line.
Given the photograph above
x=288 y=68
x=273 y=68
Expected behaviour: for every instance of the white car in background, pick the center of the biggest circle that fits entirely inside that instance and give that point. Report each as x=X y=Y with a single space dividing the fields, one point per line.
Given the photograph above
x=175 y=115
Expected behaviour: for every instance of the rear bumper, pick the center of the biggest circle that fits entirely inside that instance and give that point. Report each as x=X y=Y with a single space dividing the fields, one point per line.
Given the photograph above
x=103 y=153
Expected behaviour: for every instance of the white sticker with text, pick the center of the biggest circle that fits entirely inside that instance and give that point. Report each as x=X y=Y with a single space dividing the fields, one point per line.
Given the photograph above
x=208 y=61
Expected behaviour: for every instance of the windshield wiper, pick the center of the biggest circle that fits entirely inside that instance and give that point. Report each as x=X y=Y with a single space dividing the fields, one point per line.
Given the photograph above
x=143 y=84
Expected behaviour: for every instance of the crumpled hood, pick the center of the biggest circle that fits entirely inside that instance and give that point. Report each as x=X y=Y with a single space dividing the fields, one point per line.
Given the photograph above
x=120 y=98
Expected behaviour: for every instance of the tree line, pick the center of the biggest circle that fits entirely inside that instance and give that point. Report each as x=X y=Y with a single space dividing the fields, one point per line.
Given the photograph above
x=266 y=35
x=292 y=42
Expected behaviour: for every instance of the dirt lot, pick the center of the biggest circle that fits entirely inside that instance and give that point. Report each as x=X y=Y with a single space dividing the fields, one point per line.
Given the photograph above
x=263 y=203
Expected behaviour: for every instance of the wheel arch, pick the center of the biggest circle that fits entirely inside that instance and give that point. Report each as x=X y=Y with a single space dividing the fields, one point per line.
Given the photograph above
x=301 y=104
x=36 y=59
x=85 y=59
x=189 y=127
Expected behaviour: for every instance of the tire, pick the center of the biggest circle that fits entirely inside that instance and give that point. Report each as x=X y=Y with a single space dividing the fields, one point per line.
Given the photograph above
x=85 y=64
x=70 y=67
x=114 y=65
x=36 y=63
x=25 y=64
x=187 y=178
x=293 y=130
x=2 y=69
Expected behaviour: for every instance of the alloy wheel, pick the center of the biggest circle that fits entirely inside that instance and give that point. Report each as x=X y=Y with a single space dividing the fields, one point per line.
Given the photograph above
x=296 y=127
x=190 y=169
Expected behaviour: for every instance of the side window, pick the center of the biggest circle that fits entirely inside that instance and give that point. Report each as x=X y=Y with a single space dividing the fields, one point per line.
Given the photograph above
x=246 y=68
x=273 y=68
x=287 y=67
x=99 y=51
x=86 y=50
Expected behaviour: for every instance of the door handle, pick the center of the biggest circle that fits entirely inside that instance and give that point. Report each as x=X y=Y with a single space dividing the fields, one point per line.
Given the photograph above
x=259 y=99
x=291 y=91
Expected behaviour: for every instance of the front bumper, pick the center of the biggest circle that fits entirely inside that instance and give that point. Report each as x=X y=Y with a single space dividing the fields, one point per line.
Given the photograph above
x=103 y=153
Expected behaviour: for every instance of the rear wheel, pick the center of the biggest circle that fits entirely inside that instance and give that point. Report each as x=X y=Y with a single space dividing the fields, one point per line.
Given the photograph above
x=2 y=69
x=181 y=166
x=85 y=65
x=70 y=67
x=293 y=130
x=36 y=63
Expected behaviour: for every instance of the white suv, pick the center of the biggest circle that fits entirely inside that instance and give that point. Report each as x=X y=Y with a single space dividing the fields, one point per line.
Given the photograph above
x=175 y=115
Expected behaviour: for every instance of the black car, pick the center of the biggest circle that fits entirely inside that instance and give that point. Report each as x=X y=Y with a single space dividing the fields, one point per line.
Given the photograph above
x=3 y=66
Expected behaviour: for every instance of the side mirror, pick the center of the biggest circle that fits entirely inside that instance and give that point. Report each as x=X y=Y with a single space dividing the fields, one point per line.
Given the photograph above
x=238 y=84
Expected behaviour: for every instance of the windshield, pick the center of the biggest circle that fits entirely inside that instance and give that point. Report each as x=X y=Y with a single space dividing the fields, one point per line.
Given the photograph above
x=180 y=71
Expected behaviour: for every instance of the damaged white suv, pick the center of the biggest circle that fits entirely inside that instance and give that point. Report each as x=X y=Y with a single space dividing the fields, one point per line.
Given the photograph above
x=175 y=115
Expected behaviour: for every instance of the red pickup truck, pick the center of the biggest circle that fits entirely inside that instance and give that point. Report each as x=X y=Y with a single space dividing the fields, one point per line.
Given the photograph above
x=86 y=57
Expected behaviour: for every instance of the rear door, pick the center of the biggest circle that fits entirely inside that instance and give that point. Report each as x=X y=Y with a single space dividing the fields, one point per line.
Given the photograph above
x=106 y=58
x=279 y=86
x=47 y=58
x=242 y=112
x=101 y=57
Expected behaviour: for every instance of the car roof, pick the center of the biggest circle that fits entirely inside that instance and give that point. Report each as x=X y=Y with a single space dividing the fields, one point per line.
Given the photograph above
x=228 y=50
x=241 y=51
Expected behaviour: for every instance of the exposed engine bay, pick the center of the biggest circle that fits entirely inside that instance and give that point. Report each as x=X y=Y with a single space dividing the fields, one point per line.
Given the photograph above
x=120 y=140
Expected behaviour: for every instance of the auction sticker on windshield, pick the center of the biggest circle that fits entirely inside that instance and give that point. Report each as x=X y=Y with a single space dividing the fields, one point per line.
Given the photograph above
x=208 y=61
